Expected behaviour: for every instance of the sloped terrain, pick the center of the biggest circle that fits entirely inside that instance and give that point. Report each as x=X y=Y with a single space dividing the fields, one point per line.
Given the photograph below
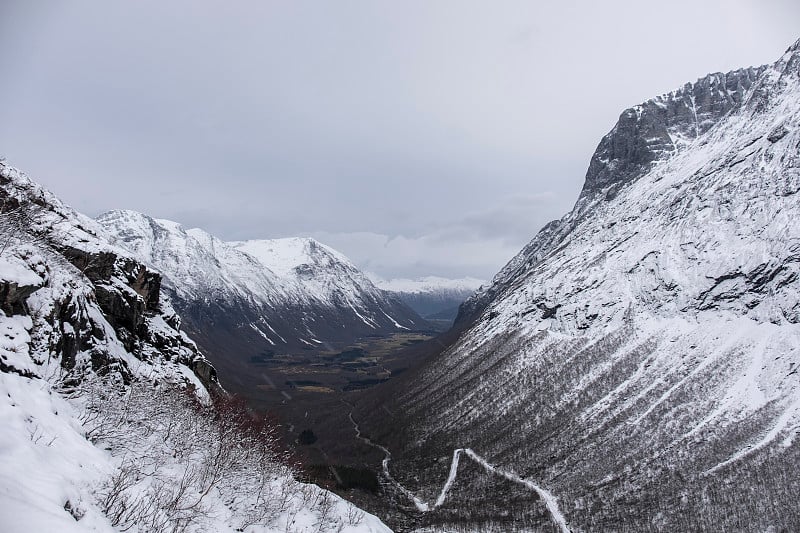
x=638 y=359
x=106 y=405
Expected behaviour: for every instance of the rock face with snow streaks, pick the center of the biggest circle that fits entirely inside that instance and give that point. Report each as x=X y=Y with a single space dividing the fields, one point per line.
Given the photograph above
x=657 y=128
x=644 y=135
x=639 y=358
x=91 y=307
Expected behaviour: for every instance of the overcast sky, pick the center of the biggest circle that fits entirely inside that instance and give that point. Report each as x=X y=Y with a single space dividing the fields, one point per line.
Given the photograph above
x=417 y=137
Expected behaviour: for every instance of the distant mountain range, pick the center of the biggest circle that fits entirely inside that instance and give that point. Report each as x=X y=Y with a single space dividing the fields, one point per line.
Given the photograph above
x=241 y=300
x=434 y=298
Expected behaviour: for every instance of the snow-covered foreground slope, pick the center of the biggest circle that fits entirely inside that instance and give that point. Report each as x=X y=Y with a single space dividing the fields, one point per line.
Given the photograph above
x=69 y=466
x=242 y=300
x=639 y=359
x=105 y=405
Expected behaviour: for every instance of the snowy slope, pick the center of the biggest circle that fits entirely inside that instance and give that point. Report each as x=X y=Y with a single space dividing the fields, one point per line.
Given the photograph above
x=284 y=256
x=324 y=275
x=639 y=358
x=195 y=264
x=54 y=478
x=105 y=402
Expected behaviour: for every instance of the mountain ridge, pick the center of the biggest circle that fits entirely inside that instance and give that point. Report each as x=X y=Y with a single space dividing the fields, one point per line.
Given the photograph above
x=112 y=418
x=642 y=349
x=244 y=301
x=435 y=298
x=643 y=136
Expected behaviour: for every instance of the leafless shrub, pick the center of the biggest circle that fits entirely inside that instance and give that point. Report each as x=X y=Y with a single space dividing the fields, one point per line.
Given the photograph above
x=175 y=452
x=18 y=219
x=354 y=515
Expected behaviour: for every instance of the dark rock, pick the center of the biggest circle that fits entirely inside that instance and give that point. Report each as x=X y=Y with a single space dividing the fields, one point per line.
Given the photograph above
x=13 y=296
x=548 y=312
x=653 y=130
x=777 y=134
x=75 y=511
x=95 y=280
x=206 y=373
x=99 y=266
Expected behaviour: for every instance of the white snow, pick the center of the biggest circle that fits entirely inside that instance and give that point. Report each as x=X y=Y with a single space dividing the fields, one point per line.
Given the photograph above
x=14 y=270
x=45 y=462
x=263 y=335
x=282 y=256
x=396 y=324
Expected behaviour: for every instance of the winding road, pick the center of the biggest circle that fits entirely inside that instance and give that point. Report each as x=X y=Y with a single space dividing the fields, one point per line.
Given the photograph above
x=549 y=500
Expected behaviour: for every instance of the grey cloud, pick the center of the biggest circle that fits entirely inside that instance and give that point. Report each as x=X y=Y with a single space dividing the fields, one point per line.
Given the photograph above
x=400 y=256
x=475 y=244
x=436 y=126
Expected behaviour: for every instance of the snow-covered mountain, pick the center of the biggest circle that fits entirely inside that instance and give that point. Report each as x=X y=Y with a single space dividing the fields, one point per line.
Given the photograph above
x=106 y=405
x=639 y=358
x=326 y=277
x=432 y=297
x=241 y=300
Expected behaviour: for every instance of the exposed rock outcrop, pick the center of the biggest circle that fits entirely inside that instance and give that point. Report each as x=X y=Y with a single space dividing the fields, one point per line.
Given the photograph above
x=644 y=135
x=92 y=307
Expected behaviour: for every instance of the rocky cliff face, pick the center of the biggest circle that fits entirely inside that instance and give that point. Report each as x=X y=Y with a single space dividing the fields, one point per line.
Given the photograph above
x=644 y=135
x=656 y=129
x=639 y=357
x=88 y=308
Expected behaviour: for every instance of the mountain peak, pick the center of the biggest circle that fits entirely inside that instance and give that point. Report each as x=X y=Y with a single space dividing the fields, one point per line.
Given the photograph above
x=281 y=294
x=284 y=255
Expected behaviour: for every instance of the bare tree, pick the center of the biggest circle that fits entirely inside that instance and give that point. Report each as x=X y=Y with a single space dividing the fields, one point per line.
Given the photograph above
x=174 y=452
